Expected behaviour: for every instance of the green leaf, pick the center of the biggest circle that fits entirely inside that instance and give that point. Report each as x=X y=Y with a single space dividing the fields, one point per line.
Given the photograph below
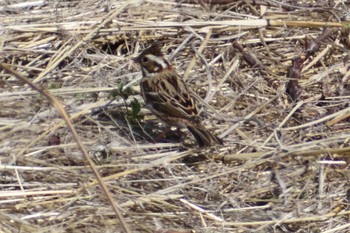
x=135 y=107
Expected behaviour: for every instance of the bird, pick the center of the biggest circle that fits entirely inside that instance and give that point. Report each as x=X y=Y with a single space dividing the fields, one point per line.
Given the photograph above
x=167 y=96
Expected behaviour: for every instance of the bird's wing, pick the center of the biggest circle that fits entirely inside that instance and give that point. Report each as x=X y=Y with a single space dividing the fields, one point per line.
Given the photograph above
x=168 y=97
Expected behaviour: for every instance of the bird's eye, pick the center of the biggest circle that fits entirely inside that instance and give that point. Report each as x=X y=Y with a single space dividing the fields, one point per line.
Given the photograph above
x=144 y=59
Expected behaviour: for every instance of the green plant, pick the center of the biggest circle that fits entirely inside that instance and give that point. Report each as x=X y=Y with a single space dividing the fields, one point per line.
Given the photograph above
x=133 y=108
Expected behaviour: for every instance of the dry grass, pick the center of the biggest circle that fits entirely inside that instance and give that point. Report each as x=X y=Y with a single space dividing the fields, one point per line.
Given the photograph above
x=284 y=168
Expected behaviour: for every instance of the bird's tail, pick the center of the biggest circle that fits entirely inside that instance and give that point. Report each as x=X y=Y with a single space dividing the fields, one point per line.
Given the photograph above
x=204 y=137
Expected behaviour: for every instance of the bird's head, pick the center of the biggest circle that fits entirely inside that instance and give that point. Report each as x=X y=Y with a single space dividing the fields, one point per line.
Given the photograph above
x=152 y=60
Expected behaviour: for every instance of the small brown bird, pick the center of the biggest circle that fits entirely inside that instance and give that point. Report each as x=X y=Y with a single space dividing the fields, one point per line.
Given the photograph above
x=167 y=96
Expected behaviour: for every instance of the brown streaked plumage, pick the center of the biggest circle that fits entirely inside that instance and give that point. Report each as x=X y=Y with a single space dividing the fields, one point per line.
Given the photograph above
x=168 y=97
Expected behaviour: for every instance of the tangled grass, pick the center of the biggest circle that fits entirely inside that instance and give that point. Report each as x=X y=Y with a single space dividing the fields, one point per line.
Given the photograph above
x=284 y=165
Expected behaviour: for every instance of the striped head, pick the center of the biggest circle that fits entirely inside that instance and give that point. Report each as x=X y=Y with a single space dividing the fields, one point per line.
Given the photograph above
x=152 y=60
